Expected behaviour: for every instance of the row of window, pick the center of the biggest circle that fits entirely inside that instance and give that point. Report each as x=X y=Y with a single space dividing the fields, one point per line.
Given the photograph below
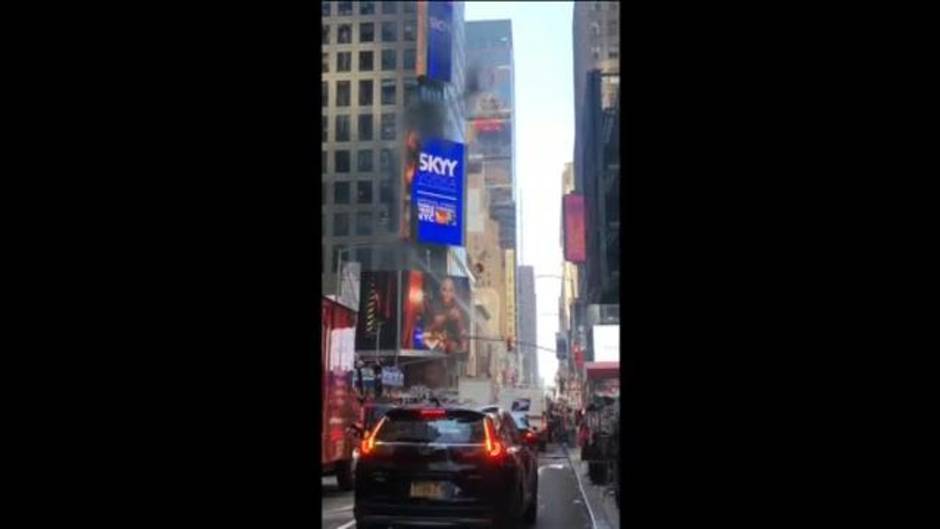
x=366 y=61
x=341 y=221
x=342 y=192
x=342 y=131
x=342 y=161
x=389 y=91
x=388 y=31
x=366 y=8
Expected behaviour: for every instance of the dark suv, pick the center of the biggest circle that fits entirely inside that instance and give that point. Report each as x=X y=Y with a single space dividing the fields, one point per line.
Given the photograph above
x=445 y=466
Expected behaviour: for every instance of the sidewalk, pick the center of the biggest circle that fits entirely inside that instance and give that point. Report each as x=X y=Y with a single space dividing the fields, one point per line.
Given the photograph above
x=600 y=497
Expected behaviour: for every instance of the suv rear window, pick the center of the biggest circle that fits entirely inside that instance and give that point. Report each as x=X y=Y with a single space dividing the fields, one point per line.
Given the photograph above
x=412 y=427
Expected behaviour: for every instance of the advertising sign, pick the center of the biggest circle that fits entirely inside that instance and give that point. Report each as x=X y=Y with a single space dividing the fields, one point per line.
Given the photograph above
x=491 y=138
x=573 y=206
x=606 y=340
x=435 y=313
x=393 y=377
x=377 y=311
x=437 y=192
x=435 y=36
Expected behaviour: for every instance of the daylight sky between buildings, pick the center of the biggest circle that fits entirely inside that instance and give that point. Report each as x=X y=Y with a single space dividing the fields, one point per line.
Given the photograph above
x=544 y=112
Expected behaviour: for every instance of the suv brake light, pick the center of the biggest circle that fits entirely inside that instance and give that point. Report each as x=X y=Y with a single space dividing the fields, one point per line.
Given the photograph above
x=368 y=443
x=494 y=448
x=435 y=413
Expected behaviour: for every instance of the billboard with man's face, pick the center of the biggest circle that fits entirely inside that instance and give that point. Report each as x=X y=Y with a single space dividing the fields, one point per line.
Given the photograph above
x=435 y=313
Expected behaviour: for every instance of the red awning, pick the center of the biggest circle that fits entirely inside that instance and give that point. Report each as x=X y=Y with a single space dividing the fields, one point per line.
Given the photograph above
x=602 y=369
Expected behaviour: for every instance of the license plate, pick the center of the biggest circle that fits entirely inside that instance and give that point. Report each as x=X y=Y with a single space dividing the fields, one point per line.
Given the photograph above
x=428 y=489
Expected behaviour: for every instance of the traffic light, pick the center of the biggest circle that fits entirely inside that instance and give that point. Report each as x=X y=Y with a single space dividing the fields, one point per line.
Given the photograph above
x=509 y=343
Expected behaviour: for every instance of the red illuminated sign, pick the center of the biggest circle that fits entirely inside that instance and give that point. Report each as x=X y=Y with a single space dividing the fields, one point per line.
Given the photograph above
x=573 y=207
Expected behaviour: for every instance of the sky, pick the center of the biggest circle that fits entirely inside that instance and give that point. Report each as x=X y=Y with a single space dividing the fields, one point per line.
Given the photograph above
x=544 y=115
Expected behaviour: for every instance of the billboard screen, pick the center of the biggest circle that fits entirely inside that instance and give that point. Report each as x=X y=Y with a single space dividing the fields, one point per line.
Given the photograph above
x=491 y=137
x=573 y=207
x=435 y=35
x=437 y=192
x=435 y=313
x=606 y=341
x=378 y=301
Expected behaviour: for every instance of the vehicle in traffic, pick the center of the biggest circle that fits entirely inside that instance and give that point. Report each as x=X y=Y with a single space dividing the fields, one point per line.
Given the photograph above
x=341 y=407
x=445 y=466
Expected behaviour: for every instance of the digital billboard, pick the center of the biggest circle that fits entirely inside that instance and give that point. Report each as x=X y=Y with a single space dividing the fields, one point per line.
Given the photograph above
x=378 y=314
x=437 y=192
x=435 y=315
x=435 y=40
x=573 y=208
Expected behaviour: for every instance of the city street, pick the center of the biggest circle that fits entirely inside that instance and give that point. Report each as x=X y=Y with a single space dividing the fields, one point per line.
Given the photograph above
x=561 y=505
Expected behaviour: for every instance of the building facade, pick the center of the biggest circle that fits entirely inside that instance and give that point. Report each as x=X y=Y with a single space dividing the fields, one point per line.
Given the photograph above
x=591 y=293
x=371 y=99
x=528 y=335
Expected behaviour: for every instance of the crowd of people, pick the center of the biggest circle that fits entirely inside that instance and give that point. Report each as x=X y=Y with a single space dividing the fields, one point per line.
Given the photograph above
x=566 y=425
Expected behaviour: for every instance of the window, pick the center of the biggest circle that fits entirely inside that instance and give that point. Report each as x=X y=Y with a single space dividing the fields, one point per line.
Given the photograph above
x=342 y=128
x=388 y=126
x=389 y=31
x=389 y=8
x=364 y=192
x=323 y=164
x=408 y=31
x=364 y=164
x=326 y=129
x=344 y=61
x=341 y=159
x=344 y=34
x=367 y=32
x=385 y=191
x=325 y=67
x=365 y=127
x=409 y=7
x=364 y=223
x=366 y=8
x=341 y=223
x=342 y=93
x=388 y=60
x=326 y=9
x=343 y=8
x=365 y=61
x=388 y=91
x=385 y=159
x=365 y=93
x=411 y=92
x=341 y=193
x=324 y=94
x=326 y=34
x=364 y=256
x=612 y=27
x=323 y=194
x=408 y=59
x=613 y=52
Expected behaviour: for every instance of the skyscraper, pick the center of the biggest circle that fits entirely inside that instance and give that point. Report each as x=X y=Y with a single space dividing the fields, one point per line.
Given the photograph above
x=372 y=99
x=528 y=334
x=492 y=200
x=369 y=83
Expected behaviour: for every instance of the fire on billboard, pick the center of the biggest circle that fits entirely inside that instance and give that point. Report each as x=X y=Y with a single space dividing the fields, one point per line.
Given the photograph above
x=573 y=208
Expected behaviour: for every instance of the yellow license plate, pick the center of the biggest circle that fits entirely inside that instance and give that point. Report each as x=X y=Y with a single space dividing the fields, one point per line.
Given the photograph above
x=427 y=489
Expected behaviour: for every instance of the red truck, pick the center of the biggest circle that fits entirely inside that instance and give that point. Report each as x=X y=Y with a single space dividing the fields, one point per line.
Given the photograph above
x=341 y=407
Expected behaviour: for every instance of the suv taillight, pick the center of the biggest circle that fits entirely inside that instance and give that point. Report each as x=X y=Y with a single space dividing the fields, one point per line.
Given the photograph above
x=494 y=448
x=368 y=442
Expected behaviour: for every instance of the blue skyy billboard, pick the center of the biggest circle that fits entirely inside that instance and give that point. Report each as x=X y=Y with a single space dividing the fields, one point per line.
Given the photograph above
x=440 y=33
x=437 y=193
